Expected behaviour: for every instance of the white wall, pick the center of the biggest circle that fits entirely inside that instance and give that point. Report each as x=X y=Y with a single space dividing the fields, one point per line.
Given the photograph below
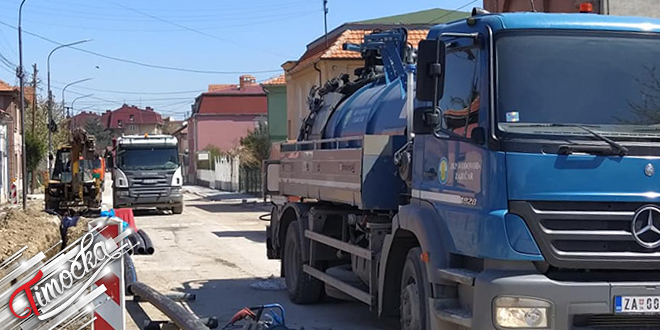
x=224 y=177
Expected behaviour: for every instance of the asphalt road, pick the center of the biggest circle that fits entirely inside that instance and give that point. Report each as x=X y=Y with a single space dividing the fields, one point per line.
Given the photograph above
x=216 y=250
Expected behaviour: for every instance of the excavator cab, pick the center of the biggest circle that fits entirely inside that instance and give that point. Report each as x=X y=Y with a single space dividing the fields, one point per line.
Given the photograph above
x=77 y=180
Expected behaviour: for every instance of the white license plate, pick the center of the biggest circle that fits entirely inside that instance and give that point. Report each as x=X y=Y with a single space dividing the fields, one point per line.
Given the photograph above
x=637 y=304
x=149 y=181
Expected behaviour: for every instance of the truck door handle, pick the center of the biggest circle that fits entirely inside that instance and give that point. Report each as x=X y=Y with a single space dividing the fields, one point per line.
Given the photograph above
x=431 y=173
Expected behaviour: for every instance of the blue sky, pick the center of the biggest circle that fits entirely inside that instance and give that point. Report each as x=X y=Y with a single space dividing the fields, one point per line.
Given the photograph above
x=236 y=36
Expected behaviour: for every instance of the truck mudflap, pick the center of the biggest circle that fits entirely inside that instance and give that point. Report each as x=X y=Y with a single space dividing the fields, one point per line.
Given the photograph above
x=570 y=305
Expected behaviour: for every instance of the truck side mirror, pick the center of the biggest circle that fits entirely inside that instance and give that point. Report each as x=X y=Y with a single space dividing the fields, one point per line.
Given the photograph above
x=425 y=120
x=430 y=70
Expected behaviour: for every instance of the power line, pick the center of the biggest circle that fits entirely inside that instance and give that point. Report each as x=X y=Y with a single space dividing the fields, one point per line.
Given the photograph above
x=133 y=93
x=185 y=27
x=451 y=12
x=224 y=9
x=279 y=18
x=153 y=66
x=221 y=16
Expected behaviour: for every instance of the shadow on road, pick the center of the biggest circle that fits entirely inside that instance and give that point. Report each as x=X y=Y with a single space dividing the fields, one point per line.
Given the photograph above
x=136 y=313
x=258 y=236
x=149 y=212
x=228 y=208
x=224 y=297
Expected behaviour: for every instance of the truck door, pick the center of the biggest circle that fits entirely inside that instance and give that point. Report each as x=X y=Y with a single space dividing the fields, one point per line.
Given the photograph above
x=457 y=165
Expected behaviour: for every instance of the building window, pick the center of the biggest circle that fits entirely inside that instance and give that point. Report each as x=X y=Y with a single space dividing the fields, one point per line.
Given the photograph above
x=131 y=118
x=131 y=127
x=119 y=124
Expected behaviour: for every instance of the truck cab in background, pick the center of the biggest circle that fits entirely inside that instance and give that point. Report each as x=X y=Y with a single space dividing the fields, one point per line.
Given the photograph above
x=524 y=171
x=147 y=173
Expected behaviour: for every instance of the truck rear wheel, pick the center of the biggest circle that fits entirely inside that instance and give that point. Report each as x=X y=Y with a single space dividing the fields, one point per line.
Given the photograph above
x=303 y=289
x=413 y=293
x=177 y=209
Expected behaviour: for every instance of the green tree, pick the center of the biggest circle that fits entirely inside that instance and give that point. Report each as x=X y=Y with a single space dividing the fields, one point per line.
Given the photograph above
x=255 y=147
x=35 y=150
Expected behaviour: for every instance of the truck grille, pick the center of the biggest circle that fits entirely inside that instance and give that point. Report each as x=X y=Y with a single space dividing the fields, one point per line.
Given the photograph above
x=586 y=235
x=617 y=322
x=149 y=181
x=149 y=192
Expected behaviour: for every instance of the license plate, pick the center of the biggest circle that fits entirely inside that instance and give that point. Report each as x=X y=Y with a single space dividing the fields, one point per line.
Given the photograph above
x=149 y=181
x=637 y=304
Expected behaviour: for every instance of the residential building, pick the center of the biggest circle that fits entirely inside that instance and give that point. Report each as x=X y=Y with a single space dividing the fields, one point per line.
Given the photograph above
x=130 y=120
x=275 y=89
x=224 y=114
x=606 y=7
x=324 y=60
x=83 y=118
x=10 y=137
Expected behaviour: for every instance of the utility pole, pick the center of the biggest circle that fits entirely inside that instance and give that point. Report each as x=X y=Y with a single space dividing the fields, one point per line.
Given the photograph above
x=20 y=75
x=34 y=96
x=325 y=21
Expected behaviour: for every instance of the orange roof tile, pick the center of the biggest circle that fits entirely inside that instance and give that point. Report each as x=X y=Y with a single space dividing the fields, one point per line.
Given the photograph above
x=5 y=87
x=336 y=51
x=275 y=81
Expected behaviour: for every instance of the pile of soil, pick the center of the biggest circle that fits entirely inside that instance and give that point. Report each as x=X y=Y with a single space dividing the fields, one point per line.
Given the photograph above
x=35 y=228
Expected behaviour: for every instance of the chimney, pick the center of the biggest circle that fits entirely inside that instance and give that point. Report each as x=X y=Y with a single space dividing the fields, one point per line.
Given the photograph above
x=150 y=109
x=247 y=80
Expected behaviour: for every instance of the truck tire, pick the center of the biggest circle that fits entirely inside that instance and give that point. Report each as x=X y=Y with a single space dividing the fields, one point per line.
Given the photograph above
x=177 y=209
x=413 y=293
x=303 y=288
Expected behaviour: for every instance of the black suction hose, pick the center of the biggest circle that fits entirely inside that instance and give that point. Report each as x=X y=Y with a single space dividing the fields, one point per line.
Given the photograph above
x=130 y=276
x=141 y=248
x=134 y=242
x=148 y=246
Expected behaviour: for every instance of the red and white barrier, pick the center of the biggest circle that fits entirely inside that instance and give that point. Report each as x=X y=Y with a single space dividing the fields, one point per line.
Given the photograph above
x=110 y=312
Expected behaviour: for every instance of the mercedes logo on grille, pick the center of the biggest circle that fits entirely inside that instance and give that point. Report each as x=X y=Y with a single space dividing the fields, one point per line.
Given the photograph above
x=646 y=227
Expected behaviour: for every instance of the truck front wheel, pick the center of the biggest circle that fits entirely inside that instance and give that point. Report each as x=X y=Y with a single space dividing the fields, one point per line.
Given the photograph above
x=177 y=209
x=303 y=289
x=413 y=293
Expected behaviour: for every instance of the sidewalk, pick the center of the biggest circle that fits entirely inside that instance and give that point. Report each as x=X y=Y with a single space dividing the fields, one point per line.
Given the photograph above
x=221 y=196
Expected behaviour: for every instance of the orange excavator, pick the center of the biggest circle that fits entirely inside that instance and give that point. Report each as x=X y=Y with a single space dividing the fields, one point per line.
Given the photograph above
x=76 y=184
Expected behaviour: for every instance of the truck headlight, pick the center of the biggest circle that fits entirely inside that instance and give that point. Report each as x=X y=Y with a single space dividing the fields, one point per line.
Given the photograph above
x=522 y=313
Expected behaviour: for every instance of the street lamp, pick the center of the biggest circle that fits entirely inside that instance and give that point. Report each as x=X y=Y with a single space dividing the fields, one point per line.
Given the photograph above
x=73 y=83
x=51 y=124
x=20 y=75
x=73 y=109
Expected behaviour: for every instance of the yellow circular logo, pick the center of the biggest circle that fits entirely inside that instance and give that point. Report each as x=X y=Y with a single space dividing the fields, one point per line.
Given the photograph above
x=443 y=169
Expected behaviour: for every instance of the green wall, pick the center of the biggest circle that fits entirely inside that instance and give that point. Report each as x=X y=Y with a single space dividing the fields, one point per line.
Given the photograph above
x=276 y=112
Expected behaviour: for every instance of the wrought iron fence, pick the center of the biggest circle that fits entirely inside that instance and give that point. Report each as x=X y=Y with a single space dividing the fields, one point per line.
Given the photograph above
x=250 y=180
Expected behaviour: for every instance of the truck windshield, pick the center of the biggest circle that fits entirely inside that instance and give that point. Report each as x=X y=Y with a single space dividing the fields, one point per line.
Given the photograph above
x=608 y=82
x=148 y=158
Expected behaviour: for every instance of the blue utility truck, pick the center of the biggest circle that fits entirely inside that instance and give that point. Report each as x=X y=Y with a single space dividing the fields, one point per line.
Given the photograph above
x=499 y=176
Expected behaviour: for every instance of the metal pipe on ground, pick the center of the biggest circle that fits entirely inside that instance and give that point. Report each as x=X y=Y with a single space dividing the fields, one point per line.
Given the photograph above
x=148 y=246
x=175 y=312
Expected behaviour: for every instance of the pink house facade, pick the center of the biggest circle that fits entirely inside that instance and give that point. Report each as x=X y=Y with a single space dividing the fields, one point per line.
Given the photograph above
x=223 y=115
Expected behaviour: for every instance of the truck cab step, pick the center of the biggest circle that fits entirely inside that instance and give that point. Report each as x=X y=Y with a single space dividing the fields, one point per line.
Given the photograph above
x=458 y=275
x=449 y=310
